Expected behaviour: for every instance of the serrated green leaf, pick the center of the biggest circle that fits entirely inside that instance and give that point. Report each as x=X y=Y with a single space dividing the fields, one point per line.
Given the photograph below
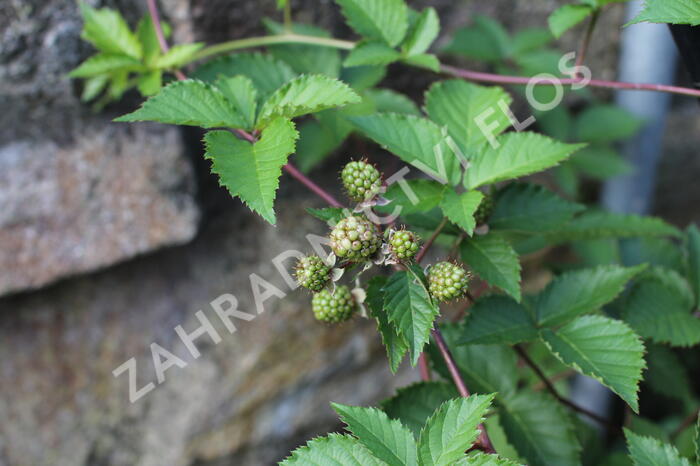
x=646 y=451
x=410 y=308
x=389 y=101
x=422 y=33
x=483 y=459
x=386 y=439
x=602 y=348
x=178 y=55
x=362 y=78
x=669 y=11
x=452 y=430
x=485 y=40
x=252 y=171
x=103 y=63
x=241 y=93
x=146 y=35
x=412 y=196
x=530 y=208
x=339 y=450
x=600 y=162
x=266 y=72
x=578 y=292
x=416 y=141
x=666 y=375
x=485 y=368
x=692 y=246
x=567 y=16
x=188 y=102
x=424 y=60
x=371 y=53
x=493 y=259
x=150 y=83
x=460 y=208
x=498 y=320
x=605 y=123
x=540 y=429
x=305 y=58
x=386 y=20
x=519 y=154
x=466 y=108
x=598 y=225
x=106 y=30
x=659 y=311
x=395 y=344
x=306 y=94
x=414 y=404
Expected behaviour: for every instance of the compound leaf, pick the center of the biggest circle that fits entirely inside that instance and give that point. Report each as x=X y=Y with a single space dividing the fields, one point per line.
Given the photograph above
x=386 y=20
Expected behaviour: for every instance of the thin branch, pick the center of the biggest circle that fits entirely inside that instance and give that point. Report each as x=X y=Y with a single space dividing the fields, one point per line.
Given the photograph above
x=548 y=385
x=581 y=55
x=461 y=386
x=158 y=26
x=424 y=367
x=431 y=240
x=288 y=16
x=688 y=421
x=316 y=189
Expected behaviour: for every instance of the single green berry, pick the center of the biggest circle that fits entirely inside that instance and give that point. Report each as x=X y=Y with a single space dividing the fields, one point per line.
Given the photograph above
x=355 y=239
x=312 y=273
x=361 y=180
x=447 y=281
x=483 y=212
x=404 y=244
x=333 y=308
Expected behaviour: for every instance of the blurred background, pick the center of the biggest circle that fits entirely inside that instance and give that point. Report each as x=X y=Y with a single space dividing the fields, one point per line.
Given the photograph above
x=112 y=234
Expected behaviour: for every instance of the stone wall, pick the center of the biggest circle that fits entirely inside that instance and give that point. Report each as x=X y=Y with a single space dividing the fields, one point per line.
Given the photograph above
x=112 y=235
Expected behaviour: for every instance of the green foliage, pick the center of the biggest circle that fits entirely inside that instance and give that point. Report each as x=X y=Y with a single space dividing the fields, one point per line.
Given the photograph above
x=414 y=404
x=530 y=208
x=423 y=32
x=465 y=109
x=669 y=11
x=602 y=348
x=387 y=439
x=417 y=141
x=385 y=21
x=567 y=16
x=485 y=40
x=493 y=259
x=452 y=430
x=581 y=291
x=692 y=247
x=539 y=429
x=605 y=123
x=646 y=451
x=394 y=342
x=409 y=307
x=498 y=320
x=252 y=171
x=414 y=196
x=596 y=225
x=518 y=154
x=340 y=450
x=460 y=208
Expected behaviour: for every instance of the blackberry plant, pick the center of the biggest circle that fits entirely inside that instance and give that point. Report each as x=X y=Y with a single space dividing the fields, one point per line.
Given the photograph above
x=627 y=303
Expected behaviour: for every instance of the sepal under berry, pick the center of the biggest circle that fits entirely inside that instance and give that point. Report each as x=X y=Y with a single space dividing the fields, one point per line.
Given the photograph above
x=361 y=180
x=312 y=273
x=355 y=239
x=447 y=281
x=404 y=244
x=334 y=307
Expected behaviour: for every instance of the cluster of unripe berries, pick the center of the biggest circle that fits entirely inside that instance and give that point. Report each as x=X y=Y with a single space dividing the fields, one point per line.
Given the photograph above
x=356 y=239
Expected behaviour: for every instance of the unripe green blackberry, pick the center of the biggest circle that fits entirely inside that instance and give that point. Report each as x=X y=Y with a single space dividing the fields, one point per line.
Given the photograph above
x=355 y=238
x=361 y=180
x=334 y=308
x=404 y=244
x=447 y=281
x=312 y=273
x=483 y=212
